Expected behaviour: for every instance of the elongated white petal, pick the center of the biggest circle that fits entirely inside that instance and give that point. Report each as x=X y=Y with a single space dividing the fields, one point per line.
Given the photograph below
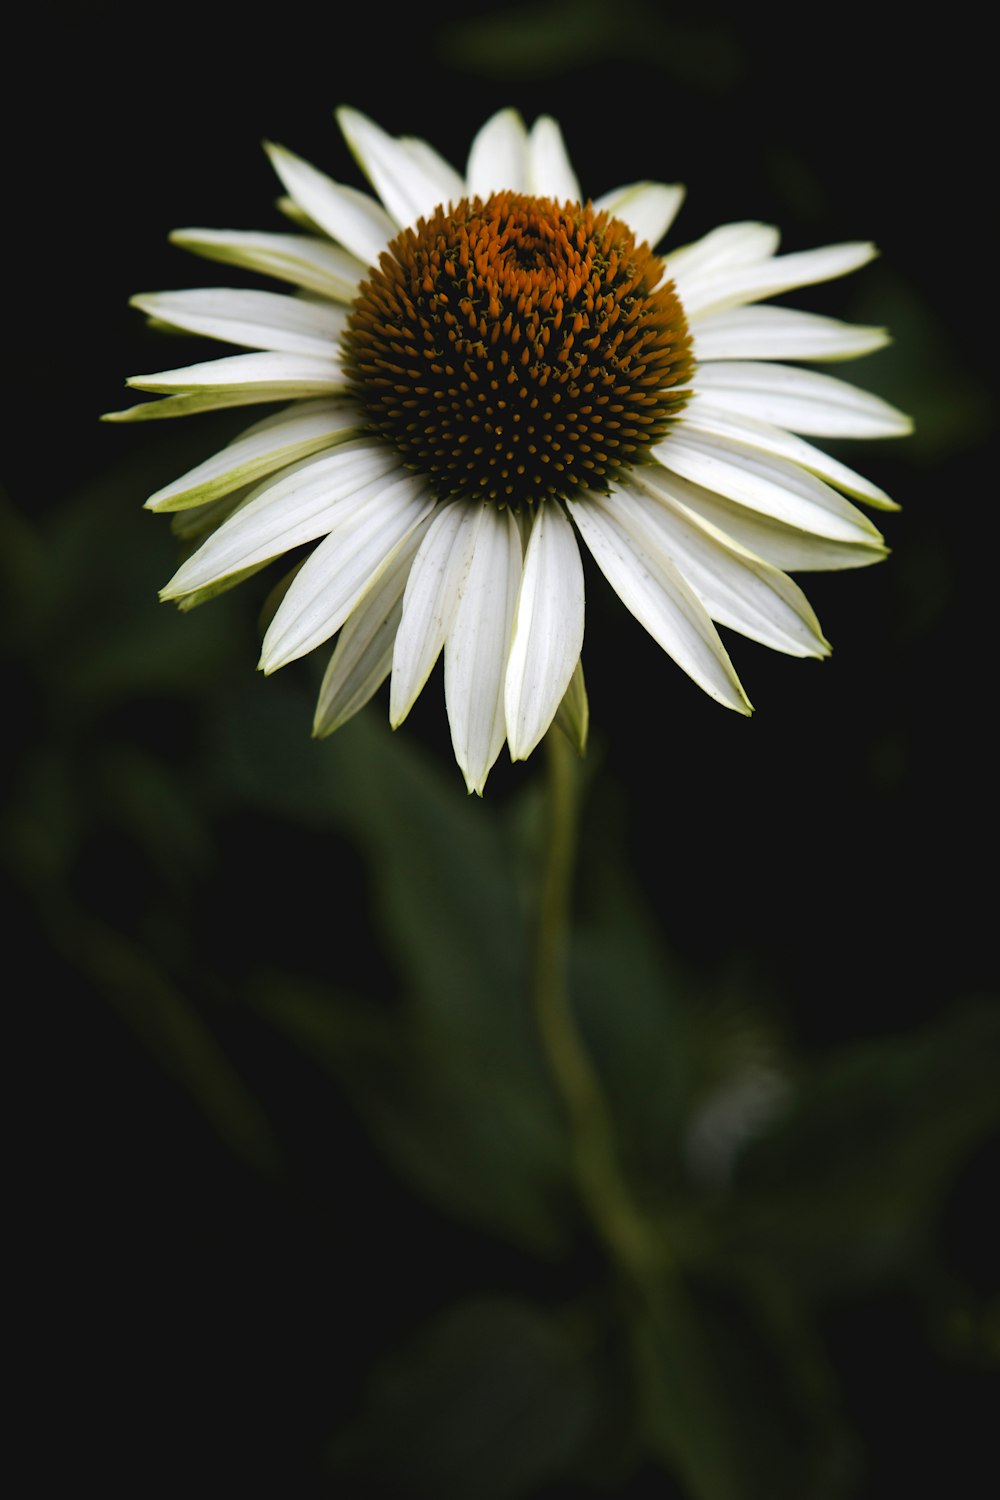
x=800 y=400
x=763 y=483
x=718 y=289
x=403 y=182
x=362 y=656
x=498 y=159
x=299 y=258
x=641 y=573
x=260 y=320
x=449 y=184
x=263 y=377
x=725 y=248
x=707 y=414
x=341 y=570
x=550 y=169
x=548 y=630
x=737 y=588
x=356 y=220
x=648 y=208
x=781 y=333
x=788 y=547
x=282 y=439
x=477 y=645
x=299 y=506
x=435 y=585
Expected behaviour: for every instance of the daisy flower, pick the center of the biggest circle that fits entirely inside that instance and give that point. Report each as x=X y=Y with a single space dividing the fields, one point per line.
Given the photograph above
x=479 y=372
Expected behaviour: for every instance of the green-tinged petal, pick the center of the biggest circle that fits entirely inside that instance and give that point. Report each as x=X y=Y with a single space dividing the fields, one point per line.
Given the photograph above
x=709 y=416
x=362 y=657
x=475 y=653
x=258 y=377
x=648 y=208
x=300 y=505
x=298 y=258
x=548 y=630
x=640 y=571
x=573 y=713
x=260 y=320
x=356 y=220
x=192 y=525
x=404 y=182
x=770 y=485
x=781 y=333
x=279 y=440
x=498 y=159
x=186 y=406
x=790 y=548
x=549 y=166
x=341 y=570
x=437 y=580
x=799 y=400
x=738 y=589
x=213 y=590
x=715 y=289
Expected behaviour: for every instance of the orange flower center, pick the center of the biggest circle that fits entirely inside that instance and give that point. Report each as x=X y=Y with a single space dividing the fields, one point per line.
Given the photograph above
x=514 y=349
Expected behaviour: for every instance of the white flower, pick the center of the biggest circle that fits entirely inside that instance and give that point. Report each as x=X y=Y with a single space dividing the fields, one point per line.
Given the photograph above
x=480 y=371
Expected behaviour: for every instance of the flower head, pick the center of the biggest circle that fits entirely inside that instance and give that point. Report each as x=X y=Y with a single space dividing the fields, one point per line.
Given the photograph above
x=481 y=370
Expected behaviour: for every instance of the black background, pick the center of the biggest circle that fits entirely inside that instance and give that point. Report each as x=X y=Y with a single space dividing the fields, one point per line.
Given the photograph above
x=237 y=1318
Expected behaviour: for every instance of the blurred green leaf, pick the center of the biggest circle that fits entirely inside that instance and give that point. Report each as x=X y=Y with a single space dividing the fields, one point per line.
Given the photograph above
x=491 y=1400
x=472 y=1138
x=738 y=1404
x=170 y=1027
x=845 y=1181
x=554 y=36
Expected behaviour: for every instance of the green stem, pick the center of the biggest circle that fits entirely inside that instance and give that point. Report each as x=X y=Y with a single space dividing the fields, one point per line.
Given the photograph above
x=595 y=1158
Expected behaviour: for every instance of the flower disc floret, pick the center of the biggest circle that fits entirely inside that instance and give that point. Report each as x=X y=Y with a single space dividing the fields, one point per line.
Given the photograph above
x=513 y=349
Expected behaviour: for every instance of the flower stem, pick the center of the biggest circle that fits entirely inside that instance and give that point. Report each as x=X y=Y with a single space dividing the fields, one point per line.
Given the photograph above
x=602 y=1187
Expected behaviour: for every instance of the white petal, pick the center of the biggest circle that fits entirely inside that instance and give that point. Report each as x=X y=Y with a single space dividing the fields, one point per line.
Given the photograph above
x=800 y=400
x=738 y=589
x=260 y=320
x=548 y=630
x=766 y=484
x=787 y=547
x=261 y=377
x=290 y=435
x=403 y=182
x=718 y=289
x=498 y=159
x=435 y=585
x=363 y=654
x=342 y=569
x=730 y=245
x=300 y=505
x=648 y=208
x=298 y=258
x=644 y=578
x=708 y=415
x=475 y=655
x=551 y=172
x=450 y=185
x=781 y=333
x=354 y=219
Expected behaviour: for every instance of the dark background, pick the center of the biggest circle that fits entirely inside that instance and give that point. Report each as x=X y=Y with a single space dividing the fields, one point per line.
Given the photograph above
x=217 y=1256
